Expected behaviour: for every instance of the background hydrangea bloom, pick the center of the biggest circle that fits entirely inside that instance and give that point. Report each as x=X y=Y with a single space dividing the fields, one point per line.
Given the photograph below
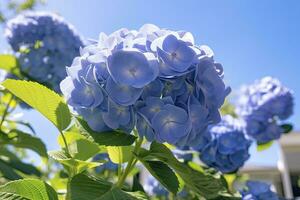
x=108 y=165
x=228 y=147
x=257 y=190
x=154 y=188
x=45 y=44
x=3 y=75
x=156 y=80
x=264 y=105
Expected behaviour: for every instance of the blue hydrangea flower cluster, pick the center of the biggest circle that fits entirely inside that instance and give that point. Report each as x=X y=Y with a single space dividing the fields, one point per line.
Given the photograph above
x=154 y=188
x=257 y=190
x=3 y=75
x=228 y=147
x=156 y=80
x=45 y=44
x=264 y=105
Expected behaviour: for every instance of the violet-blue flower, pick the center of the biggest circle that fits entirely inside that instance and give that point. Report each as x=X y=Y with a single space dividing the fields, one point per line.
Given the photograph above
x=264 y=105
x=118 y=116
x=122 y=94
x=45 y=44
x=228 y=148
x=108 y=165
x=257 y=190
x=176 y=54
x=133 y=68
x=171 y=124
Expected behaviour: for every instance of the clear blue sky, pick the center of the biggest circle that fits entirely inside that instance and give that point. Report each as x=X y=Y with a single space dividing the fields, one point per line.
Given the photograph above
x=251 y=39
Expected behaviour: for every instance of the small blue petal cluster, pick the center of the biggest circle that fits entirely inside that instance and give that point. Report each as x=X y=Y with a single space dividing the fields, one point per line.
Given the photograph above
x=264 y=105
x=154 y=188
x=108 y=165
x=257 y=190
x=154 y=79
x=228 y=147
x=45 y=44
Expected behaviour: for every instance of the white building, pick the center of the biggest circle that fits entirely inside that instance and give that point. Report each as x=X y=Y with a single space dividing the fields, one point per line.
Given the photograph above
x=285 y=177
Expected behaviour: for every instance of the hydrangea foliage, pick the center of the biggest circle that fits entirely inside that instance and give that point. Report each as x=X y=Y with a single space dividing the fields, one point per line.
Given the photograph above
x=257 y=190
x=45 y=44
x=228 y=147
x=264 y=105
x=154 y=79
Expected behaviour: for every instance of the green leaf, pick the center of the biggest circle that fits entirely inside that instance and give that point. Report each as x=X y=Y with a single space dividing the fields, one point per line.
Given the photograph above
x=8 y=172
x=136 y=185
x=70 y=138
x=20 y=139
x=7 y=153
x=32 y=189
x=58 y=183
x=80 y=147
x=24 y=167
x=228 y=109
x=84 y=187
x=117 y=194
x=10 y=64
x=8 y=196
x=287 y=128
x=120 y=154
x=203 y=184
x=47 y=102
x=27 y=5
x=73 y=166
x=110 y=138
x=163 y=174
x=227 y=196
x=83 y=149
x=264 y=146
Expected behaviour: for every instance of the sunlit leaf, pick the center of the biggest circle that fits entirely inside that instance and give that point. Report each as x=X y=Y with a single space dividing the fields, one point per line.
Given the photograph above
x=120 y=154
x=10 y=64
x=32 y=189
x=264 y=146
x=72 y=165
x=47 y=102
x=80 y=148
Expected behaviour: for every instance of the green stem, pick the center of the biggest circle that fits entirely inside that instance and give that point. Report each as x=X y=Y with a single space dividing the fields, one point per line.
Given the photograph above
x=6 y=111
x=131 y=163
x=73 y=171
x=119 y=170
x=68 y=196
x=65 y=143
